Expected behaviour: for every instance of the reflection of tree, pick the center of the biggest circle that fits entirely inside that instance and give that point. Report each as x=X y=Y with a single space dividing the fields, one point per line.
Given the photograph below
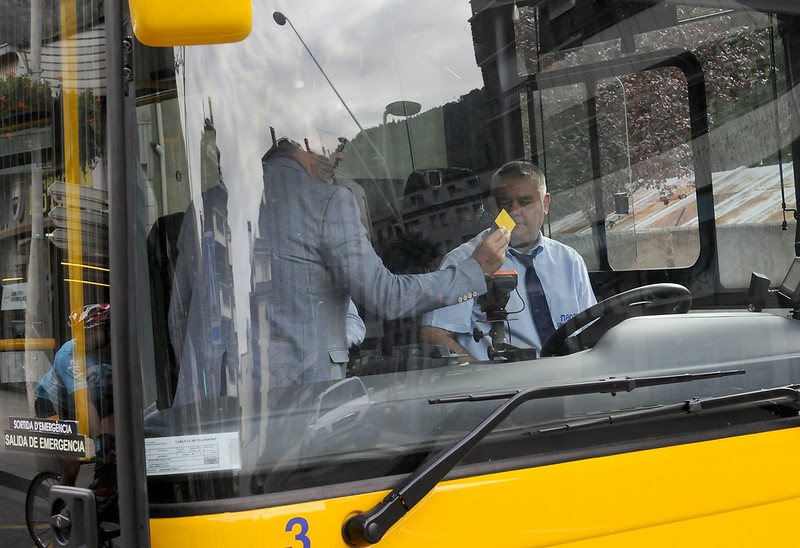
x=656 y=132
x=467 y=140
x=91 y=127
x=734 y=52
x=410 y=253
x=468 y=143
x=25 y=104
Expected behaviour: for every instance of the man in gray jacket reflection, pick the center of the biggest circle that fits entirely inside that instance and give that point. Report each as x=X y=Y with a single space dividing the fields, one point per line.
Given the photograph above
x=311 y=254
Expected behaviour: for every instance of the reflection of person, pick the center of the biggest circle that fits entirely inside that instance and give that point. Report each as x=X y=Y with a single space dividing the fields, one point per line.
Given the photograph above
x=55 y=393
x=312 y=254
x=564 y=289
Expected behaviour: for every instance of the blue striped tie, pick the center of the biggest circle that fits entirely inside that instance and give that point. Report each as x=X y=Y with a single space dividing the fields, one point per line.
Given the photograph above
x=540 y=311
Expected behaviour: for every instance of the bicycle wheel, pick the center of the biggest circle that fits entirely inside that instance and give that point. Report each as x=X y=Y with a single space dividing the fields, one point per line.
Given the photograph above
x=37 y=508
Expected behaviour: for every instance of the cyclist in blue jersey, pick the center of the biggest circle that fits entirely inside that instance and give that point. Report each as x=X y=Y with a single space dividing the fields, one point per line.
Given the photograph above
x=55 y=393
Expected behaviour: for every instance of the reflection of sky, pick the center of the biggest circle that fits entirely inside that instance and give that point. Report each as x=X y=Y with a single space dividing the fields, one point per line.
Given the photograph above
x=374 y=53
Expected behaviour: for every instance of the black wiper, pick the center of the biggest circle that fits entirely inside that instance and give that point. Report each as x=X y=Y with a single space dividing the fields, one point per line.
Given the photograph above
x=369 y=527
x=693 y=406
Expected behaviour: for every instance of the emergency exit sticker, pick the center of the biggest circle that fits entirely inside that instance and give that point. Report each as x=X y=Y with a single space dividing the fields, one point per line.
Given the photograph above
x=45 y=436
x=504 y=220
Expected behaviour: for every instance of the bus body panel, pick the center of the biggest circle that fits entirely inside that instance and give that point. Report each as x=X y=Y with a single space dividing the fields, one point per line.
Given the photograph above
x=731 y=491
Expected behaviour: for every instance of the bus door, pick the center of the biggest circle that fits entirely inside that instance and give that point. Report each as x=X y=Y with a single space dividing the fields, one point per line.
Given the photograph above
x=600 y=172
x=56 y=395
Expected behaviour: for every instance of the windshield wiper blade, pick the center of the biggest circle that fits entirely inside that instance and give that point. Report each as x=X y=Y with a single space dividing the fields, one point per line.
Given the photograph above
x=610 y=385
x=692 y=406
x=369 y=527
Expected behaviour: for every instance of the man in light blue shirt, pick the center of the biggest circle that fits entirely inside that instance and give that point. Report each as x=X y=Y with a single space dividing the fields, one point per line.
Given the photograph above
x=520 y=189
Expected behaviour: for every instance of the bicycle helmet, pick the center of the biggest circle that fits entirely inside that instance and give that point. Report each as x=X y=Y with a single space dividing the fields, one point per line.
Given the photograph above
x=91 y=316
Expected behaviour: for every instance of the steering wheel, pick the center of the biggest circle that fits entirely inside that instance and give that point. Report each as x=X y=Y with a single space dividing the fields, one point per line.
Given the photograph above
x=663 y=298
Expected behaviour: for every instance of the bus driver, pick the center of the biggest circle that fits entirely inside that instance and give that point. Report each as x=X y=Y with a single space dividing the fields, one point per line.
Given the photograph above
x=553 y=283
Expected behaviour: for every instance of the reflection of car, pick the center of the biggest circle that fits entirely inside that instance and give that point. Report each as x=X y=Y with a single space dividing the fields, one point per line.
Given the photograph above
x=344 y=403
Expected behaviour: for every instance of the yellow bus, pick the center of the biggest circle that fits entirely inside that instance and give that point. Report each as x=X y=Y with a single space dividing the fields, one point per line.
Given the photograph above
x=281 y=203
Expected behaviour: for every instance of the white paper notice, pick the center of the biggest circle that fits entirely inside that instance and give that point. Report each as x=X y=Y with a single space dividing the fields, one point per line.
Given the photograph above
x=198 y=453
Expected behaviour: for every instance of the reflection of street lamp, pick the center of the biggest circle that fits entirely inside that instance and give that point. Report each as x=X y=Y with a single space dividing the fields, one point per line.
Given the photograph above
x=404 y=109
x=401 y=108
x=281 y=20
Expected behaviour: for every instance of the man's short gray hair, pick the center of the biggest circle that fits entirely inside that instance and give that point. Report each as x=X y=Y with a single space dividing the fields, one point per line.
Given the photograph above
x=518 y=170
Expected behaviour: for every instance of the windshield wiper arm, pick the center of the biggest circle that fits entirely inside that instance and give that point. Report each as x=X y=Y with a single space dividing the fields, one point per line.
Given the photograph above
x=692 y=406
x=369 y=527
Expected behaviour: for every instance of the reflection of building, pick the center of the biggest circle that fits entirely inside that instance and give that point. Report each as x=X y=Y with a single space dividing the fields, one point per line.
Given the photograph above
x=217 y=261
x=443 y=207
x=33 y=81
x=202 y=308
x=259 y=321
x=216 y=243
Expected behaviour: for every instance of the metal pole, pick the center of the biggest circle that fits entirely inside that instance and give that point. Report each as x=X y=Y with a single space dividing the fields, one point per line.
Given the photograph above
x=37 y=319
x=122 y=191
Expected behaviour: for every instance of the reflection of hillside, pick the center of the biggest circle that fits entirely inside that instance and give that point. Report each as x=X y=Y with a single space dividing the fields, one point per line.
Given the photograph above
x=454 y=134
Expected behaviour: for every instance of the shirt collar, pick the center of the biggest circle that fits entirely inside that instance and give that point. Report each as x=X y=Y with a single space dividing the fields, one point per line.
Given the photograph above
x=528 y=257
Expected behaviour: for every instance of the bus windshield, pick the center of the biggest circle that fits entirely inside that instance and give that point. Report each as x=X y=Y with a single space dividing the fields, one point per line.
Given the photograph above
x=324 y=208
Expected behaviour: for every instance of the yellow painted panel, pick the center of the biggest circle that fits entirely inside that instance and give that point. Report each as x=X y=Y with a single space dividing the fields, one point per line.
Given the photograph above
x=190 y=22
x=722 y=491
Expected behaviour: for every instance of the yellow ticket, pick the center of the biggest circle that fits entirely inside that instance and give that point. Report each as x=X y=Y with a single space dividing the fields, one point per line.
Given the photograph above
x=504 y=220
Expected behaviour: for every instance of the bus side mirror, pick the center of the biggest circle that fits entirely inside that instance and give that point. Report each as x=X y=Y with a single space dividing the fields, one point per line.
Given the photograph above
x=190 y=22
x=73 y=517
